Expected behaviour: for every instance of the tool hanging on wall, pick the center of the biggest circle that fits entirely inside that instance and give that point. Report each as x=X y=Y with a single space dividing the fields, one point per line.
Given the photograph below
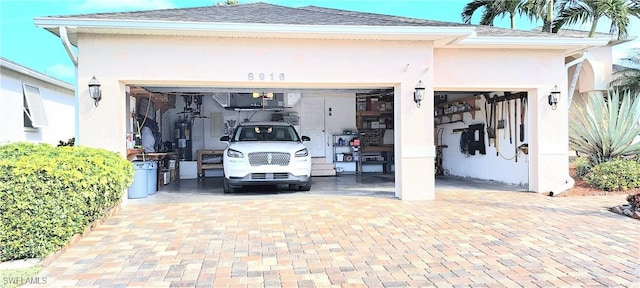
x=490 y=129
x=523 y=108
x=509 y=120
x=501 y=121
x=515 y=126
x=497 y=131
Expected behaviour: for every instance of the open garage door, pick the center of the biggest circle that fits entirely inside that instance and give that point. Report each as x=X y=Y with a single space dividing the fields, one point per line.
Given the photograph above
x=482 y=135
x=188 y=122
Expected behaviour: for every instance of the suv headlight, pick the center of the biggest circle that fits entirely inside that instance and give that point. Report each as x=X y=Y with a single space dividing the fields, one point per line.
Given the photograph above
x=302 y=153
x=234 y=153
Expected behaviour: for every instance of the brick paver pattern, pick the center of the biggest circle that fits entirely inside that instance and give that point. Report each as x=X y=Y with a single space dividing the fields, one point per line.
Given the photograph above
x=462 y=239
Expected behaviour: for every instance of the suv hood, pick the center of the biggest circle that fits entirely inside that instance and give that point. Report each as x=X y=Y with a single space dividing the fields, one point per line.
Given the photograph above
x=266 y=146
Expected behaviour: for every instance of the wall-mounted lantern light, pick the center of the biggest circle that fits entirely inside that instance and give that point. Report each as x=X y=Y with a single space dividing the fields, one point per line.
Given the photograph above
x=553 y=97
x=418 y=95
x=94 y=90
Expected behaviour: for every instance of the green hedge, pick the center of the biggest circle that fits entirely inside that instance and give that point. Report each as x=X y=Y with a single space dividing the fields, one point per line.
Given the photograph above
x=583 y=166
x=616 y=174
x=51 y=193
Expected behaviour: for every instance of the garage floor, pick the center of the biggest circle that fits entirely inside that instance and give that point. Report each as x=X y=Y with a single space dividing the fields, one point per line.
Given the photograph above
x=210 y=189
x=368 y=184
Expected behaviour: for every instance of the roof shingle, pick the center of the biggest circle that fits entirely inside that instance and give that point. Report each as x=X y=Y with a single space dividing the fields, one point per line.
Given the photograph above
x=264 y=13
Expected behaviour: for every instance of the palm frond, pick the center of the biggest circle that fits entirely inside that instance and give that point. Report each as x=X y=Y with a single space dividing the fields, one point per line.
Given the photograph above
x=470 y=8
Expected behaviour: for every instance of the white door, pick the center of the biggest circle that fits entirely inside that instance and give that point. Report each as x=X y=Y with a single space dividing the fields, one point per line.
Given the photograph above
x=312 y=124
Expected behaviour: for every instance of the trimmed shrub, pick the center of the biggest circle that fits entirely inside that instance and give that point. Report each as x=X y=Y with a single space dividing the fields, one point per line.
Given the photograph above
x=51 y=193
x=583 y=166
x=616 y=174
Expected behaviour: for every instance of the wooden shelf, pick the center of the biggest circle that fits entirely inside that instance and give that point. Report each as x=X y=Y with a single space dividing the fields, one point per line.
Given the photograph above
x=372 y=113
x=470 y=107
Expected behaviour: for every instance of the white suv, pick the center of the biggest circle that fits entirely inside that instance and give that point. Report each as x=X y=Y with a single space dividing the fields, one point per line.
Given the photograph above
x=266 y=153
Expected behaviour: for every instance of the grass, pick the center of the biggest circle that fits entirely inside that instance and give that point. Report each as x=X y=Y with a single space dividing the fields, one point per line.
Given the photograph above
x=11 y=278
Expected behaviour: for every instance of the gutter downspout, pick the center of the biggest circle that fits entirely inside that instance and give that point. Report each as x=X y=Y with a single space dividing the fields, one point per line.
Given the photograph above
x=572 y=87
x=64 y=37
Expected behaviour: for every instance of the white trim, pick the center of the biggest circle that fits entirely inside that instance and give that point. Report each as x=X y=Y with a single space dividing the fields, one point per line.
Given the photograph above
x=37 y=75
x=552 y=42
x=299 y=31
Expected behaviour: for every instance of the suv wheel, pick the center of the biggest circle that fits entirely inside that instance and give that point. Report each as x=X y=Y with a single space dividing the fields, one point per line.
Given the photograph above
x=226 y=187
x=305 y=187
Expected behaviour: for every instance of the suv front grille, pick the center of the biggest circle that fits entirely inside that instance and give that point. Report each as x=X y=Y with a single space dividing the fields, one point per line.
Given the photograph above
x=269 y=158
x=269 y=176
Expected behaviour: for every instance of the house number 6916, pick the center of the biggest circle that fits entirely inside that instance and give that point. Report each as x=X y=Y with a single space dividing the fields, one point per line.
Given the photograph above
x=265 y=77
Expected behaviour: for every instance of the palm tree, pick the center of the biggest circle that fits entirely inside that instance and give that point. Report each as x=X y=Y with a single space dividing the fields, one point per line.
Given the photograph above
x=628 y=77
x=492 y=9
x=584 y=11
x=539 y=9
x=227 y=2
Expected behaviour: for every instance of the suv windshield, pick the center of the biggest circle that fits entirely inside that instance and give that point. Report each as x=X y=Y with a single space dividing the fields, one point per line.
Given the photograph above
x=265 y=133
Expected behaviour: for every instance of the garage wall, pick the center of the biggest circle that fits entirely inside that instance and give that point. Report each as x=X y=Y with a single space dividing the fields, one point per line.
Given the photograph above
x=497 y=164
x=533 y=71
x=342 y=117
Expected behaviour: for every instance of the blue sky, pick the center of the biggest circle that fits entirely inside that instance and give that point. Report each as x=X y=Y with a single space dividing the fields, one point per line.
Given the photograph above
x=24 y=43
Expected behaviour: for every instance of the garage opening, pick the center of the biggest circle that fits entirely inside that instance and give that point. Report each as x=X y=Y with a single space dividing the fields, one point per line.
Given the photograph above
x=351 y=130
x=482 y=135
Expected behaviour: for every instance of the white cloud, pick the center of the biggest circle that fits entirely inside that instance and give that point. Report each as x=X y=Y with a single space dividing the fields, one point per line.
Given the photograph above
x=124 y=5
x=62 y=72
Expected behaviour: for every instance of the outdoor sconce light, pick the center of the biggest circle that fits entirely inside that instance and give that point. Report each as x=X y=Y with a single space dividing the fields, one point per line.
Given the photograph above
x=553 y=97
x=94 y=90
x=418 y=95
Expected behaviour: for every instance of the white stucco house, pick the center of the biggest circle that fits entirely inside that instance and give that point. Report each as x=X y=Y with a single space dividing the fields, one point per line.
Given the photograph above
x=338 y=70
x=35 y=107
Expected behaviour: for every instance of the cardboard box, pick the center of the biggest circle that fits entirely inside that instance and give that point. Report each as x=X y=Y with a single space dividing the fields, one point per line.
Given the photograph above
x=373 y=104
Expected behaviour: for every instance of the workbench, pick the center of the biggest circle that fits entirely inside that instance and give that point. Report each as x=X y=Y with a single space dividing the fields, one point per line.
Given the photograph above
x=202 y=157
x=382 y=152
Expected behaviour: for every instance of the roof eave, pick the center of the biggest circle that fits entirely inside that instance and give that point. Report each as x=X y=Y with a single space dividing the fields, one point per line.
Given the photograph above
x=6 y=64
x=252 y=29
x=554 y=43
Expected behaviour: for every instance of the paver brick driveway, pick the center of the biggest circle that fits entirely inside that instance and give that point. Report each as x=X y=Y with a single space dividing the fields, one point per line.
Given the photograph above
x=477 y=239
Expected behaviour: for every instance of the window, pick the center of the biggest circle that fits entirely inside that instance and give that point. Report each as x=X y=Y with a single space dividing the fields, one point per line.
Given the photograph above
x=34 y=114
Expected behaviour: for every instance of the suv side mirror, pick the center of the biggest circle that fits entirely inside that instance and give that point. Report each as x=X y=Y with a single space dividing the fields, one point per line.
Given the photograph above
x=225 y=138
x=306 y=139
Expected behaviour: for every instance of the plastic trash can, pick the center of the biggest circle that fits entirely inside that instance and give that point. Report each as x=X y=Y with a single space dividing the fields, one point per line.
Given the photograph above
x=138 y=188
x=152 y=184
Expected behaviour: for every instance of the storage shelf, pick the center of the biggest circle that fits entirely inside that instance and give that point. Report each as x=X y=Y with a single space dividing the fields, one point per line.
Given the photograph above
x=468 y=101
x=353 y=150
x=372 y=113
x=375 y=162
x=448 y=115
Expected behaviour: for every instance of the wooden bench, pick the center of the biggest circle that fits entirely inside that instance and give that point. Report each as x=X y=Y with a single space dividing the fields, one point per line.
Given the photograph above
x=204 y=154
